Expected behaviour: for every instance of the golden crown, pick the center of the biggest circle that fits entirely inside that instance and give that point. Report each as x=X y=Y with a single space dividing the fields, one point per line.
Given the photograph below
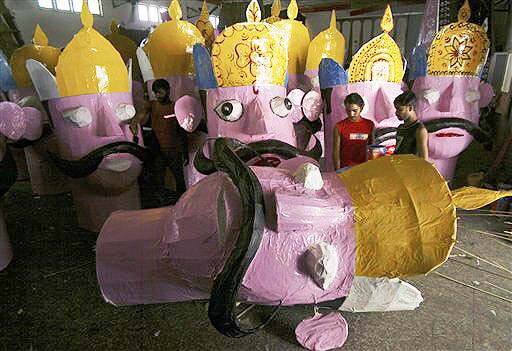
x=380 y=59
x=296 y=39
x=169 y=47
x=40 y=51
x=459 y=48
x=205 y=26
x=90 y=64
x=250 y=53
x=329 y=43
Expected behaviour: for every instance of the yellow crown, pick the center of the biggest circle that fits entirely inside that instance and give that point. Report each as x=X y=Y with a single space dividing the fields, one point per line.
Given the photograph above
x=39 y=51
x=250 y=53
x=328 y=44
x=126 y=47
x=296 y=38
x=459 y=48
x=205 y=26
x=169 y=47
x=380 y=59
x=90 y=64
x=274 y=12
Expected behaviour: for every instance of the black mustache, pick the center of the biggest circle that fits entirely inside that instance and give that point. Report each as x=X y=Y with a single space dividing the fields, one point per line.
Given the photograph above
x=247 y=152
x=224 y=294
x=90 y=162
x=436 y=125
x=8 y=172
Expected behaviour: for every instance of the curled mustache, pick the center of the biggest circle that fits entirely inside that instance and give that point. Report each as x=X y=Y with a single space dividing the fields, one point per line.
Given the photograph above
x=247 y=152
x=435 y=125
x=89 y=163
x=8 y=172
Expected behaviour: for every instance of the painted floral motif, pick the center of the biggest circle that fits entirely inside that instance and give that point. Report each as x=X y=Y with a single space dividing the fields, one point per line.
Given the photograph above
x=458 y=52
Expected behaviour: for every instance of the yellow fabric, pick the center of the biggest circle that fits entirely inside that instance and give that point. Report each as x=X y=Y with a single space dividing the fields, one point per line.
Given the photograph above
x=380 y=59
x=39 y=51
x=250 y=53
x=459 y=48
x=274 y=11
x=90 y=64
x=471 y=198
x=205 y=26
x=170 y=46
x=296 y=38
x=126 y=47
x=328 y=44
x=405 y=217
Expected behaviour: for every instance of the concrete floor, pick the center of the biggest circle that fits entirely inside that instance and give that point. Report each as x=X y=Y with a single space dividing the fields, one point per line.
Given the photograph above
x=41 y=310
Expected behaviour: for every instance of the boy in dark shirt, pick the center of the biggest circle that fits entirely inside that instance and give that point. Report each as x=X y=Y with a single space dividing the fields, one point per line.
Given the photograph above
x=411 y=136
x=172 y=139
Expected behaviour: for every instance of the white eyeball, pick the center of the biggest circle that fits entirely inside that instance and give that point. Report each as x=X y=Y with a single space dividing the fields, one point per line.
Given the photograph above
x=81 y=116
x=125 y=112
x=281 y=106
x=230 y=110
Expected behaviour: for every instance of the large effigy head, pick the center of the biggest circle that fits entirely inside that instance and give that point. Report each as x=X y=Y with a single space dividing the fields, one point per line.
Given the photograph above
x=245 y=84
x=90 y=102
x=451 y=94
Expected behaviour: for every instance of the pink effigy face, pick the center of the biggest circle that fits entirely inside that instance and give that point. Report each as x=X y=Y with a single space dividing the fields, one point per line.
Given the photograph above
x=450 y=97
x=251 y=113
x=84 y=123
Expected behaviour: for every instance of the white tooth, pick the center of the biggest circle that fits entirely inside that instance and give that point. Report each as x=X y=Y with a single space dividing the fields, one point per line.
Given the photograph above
x=118 y=165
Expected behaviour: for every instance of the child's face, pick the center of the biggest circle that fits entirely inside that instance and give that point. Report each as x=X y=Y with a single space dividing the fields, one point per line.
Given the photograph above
x=403 y=112
x=161 y=94
x=353 y=111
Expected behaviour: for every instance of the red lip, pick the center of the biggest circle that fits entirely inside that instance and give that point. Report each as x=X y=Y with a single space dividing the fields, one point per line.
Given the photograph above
x=449 y=135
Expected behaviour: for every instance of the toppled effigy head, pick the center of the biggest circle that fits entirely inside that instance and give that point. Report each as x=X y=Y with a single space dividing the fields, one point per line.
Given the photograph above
x=260 y=235
x=40 y=51
x=375 y=73
x=245 y=85
x=451 y=94
x=168 y=54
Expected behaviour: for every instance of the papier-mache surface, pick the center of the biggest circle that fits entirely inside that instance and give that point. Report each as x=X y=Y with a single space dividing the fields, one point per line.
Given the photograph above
x=405 y=223
x=322 y=332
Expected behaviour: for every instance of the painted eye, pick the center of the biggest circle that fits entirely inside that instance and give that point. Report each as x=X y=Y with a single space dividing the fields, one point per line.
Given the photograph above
x=125 y=112
x=81 y=116
x=281 y=106
x=230 y=110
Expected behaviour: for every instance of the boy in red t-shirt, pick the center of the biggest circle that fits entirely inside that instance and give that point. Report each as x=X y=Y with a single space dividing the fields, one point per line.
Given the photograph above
x=352 y=135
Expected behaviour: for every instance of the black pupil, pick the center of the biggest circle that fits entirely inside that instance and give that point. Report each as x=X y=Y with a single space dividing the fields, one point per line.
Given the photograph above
x=287 y=104
x=227 y=108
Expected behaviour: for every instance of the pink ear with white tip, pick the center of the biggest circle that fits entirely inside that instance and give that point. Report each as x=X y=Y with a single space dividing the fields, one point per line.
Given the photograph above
x=312 y=105
x=189 y=112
